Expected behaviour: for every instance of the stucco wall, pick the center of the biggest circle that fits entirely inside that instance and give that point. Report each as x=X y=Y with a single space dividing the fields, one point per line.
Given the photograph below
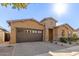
x=55 y=34
x=49 y=24
x=2 y=36
x=67 y=30
x=24 y=24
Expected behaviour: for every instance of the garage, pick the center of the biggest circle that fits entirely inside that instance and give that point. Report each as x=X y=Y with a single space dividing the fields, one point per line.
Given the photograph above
x=26 y=30
x=28 y=35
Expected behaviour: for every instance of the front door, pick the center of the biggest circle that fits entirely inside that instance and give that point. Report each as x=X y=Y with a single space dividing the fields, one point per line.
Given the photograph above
x=51 y=35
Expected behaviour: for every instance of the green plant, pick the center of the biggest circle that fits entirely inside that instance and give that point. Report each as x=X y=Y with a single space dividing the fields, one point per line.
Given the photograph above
x=70 y=43
x=16 y=5
x=63 y=39
x=74 y=37
x=69 y=40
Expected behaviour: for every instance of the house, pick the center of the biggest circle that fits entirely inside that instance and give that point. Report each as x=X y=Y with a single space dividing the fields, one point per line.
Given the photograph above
x=3 y=35
x=63 y=30
x=29 y=30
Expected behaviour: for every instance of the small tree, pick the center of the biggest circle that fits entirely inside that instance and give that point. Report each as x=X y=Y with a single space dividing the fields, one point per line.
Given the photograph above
x=63 y=37
x=74 y=37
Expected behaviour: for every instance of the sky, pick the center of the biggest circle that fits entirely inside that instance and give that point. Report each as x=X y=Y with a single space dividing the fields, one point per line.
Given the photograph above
x=39 y=11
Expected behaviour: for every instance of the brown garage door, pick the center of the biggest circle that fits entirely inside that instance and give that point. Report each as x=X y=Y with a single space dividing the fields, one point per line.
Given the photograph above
x=28 y=35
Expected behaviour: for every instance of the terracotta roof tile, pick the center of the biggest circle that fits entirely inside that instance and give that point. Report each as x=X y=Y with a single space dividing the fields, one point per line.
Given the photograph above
x=18 y=20
x=51 y=18
x=64 y=25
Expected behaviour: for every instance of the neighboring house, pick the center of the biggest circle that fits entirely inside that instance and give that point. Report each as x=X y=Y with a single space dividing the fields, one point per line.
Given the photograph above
x=63 y=30
x=3 y=35
x=29 y=30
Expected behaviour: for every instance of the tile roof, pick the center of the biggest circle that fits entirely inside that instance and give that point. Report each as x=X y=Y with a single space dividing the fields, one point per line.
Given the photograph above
x=50 y=18
x=64 y=25
x=1 y=28
x=18 y=20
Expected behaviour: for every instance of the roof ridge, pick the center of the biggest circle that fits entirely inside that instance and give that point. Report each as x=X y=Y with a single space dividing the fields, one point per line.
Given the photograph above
x=9 y=21
x=48 y=18
x=65 y=24
x=2 y=28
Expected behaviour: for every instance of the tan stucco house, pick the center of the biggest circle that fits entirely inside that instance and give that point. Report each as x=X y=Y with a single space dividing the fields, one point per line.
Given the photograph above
x=3 y=35
x=64 y=29
x=29 y=30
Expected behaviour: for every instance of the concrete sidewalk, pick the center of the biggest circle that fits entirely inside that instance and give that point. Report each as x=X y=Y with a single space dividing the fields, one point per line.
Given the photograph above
x=4 y=44
x=72 y=51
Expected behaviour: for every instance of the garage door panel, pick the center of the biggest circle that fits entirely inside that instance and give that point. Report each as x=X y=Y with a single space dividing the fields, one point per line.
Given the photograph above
x=28 y=35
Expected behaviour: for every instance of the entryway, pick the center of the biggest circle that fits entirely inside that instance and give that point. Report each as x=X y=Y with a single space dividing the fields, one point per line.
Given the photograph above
x=7 y=37
x=51 y=35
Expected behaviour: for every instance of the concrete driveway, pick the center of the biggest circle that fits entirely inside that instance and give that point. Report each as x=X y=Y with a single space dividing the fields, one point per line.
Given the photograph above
x=71 y=51
x=34 y=48
x=29 y=49
x=6 y=51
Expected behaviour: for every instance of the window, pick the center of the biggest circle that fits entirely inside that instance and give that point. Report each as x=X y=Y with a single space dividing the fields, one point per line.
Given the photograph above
x=63 y=33
x=27 y=31
x=33 y=31
x=39 y=31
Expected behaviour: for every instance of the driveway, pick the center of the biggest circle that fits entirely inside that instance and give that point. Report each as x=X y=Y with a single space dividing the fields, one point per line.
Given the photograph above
x=6 y=51
x=29 y=49
x=71 y=51
x=35 y=48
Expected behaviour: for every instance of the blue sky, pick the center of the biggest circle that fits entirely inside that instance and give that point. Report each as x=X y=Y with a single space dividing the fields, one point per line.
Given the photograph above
x=40 y=11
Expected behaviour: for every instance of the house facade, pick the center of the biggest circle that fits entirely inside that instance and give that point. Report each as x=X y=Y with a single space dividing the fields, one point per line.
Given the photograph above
x=3 y=35
x=26 y=30
x=49 y=24
x=63 y=30
x=29 y=30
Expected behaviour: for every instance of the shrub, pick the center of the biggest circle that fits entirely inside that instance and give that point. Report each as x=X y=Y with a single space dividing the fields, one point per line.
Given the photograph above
x=69 y=40
x=74 y=37
x=77 y=38
x=63 y=39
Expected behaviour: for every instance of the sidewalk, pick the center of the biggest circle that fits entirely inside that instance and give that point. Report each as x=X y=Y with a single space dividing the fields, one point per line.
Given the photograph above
x=4 y=44
x=72 y=51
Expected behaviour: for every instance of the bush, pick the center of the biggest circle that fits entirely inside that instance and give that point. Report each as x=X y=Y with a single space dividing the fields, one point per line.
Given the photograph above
x=77 y=38
x=74 y=37
x=69 y=39
x=64 y=40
